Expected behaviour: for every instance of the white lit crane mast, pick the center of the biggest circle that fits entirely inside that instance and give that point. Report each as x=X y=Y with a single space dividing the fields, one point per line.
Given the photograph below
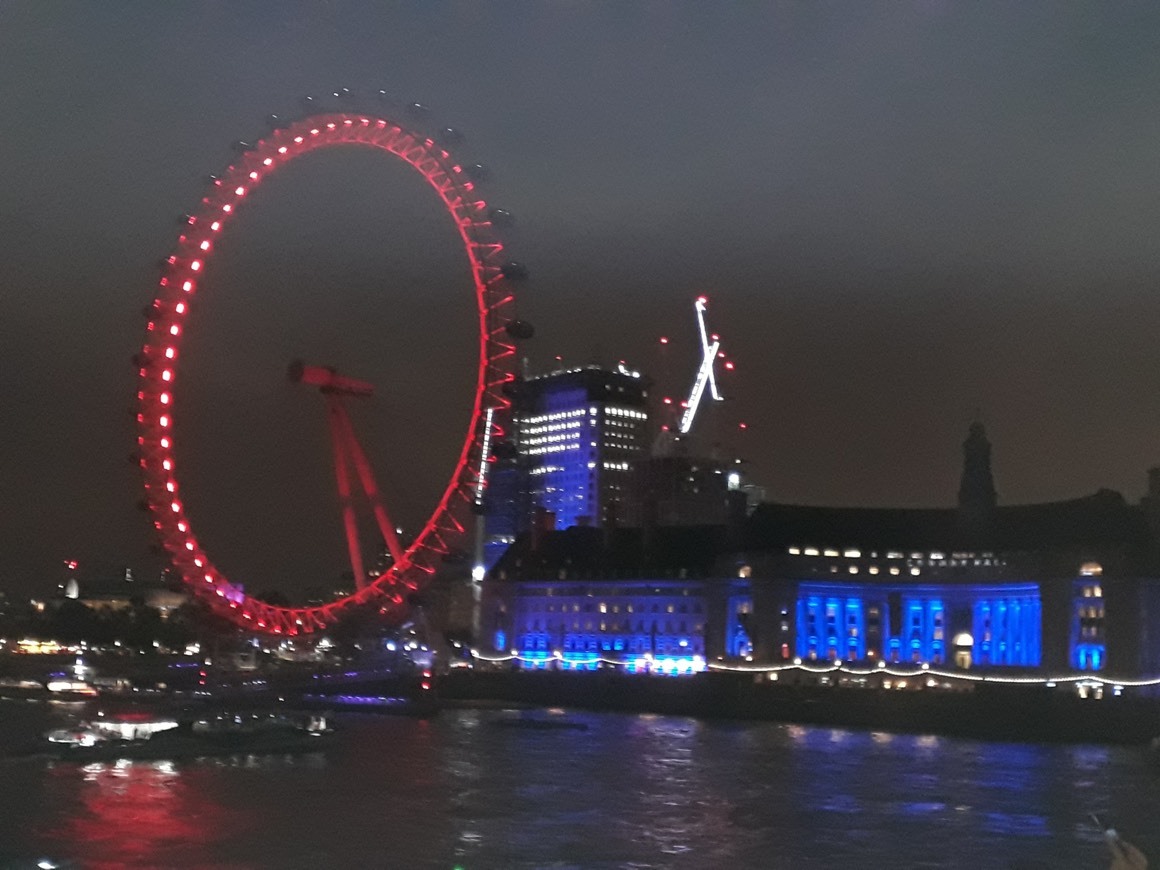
x=710 y=347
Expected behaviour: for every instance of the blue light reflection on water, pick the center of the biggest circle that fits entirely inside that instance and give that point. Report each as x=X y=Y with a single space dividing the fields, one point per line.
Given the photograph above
x=628 y=791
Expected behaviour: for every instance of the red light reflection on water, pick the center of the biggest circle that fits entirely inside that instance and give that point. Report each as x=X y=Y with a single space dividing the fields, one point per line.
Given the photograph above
x=132 y=813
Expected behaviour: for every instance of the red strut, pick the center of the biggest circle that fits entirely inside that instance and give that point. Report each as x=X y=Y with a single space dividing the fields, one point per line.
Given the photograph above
x=347 y=452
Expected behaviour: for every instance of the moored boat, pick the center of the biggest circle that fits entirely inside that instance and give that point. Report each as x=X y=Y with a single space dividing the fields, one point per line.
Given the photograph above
x=135 y=736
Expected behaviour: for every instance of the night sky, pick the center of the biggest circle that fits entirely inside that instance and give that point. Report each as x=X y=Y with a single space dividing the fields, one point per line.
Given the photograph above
x=902 y=213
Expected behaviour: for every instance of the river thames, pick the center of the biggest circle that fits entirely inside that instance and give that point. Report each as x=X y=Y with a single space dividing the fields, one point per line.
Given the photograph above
x=616 y=791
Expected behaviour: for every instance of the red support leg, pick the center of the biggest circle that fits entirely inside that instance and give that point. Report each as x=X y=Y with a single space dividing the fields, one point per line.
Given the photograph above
x=371 y=488
x=336 y=415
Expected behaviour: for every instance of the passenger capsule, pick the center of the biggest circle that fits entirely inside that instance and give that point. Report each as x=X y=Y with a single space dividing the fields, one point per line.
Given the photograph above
x=501 y=217
x=520 y=330
x=504 y=450
x=514 y=271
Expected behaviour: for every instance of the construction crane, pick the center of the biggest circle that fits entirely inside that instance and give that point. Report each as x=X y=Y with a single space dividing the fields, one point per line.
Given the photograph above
x=710 y=347
x=704 y=383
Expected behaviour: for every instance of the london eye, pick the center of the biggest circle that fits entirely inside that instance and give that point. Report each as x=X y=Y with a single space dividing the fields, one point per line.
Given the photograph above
x=160 y=362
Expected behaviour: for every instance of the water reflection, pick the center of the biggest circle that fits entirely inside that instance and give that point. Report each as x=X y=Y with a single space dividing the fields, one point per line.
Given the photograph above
x=131 y=813
x=623 y=791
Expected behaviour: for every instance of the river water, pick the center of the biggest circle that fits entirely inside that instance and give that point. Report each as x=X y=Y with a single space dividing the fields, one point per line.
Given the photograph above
x=628 y=791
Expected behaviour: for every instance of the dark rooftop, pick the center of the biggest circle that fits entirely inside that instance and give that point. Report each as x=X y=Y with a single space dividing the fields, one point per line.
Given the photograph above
x=616 y=552
x=1102 y=520
x=1101 y=523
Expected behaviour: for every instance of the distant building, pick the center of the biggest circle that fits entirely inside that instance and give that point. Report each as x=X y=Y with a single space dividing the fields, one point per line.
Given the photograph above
x=675 y=490
x=115 y=590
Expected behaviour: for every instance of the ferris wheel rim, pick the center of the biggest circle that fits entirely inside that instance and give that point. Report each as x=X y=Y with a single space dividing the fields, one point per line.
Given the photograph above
x=177 y=292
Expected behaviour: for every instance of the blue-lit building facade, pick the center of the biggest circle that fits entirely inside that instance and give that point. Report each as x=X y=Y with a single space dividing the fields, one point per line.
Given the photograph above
x=640 y=625
x=586 y=599
x=962 y=625
x=917 y=610
x=974 y=612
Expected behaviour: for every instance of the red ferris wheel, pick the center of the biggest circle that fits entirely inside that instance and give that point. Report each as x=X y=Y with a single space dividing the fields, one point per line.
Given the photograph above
x=159 y=363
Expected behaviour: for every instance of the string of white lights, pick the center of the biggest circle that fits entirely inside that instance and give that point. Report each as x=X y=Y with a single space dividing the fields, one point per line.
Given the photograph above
x=925 y=670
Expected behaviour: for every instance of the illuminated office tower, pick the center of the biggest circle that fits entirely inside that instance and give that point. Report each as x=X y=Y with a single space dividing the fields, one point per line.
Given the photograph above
x=577 y=433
